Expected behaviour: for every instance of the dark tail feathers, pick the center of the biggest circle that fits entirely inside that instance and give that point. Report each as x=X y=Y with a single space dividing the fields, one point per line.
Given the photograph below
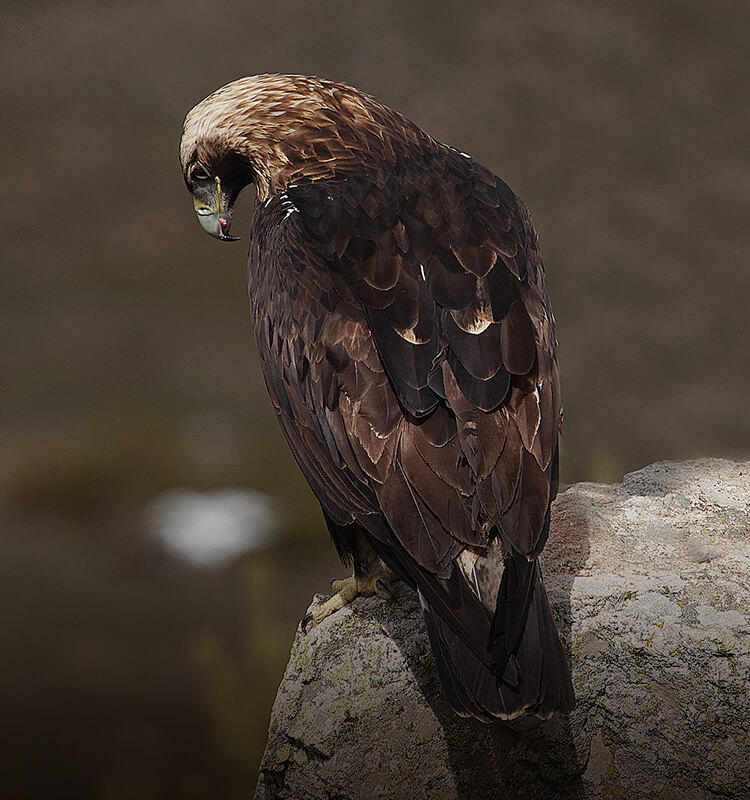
x=525 y=668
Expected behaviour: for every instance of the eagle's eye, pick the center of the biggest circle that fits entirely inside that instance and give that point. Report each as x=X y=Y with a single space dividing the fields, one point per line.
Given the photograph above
x=199 y=173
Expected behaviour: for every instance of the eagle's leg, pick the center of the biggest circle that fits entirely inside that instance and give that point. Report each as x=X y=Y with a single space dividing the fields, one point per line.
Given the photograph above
x=371 y=576
x=376 y=582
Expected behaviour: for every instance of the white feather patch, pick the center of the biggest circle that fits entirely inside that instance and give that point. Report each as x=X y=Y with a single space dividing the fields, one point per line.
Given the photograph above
x=467 y=559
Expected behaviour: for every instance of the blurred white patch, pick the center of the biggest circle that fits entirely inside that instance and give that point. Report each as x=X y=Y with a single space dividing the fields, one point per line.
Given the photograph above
x=210 y=529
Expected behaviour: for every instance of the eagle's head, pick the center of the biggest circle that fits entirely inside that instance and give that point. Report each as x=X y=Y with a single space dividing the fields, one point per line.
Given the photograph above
x=274 y=130
x=215 y=179
x=226 y=146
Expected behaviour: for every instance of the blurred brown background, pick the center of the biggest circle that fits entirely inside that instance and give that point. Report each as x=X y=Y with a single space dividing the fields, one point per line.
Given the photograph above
x=127 y=367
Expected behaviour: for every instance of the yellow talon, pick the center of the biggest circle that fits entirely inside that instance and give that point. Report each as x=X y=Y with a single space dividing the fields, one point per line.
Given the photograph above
x=349 y=589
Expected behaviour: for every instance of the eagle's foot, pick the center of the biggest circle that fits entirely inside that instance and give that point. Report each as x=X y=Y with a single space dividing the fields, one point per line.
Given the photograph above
x=349 y=589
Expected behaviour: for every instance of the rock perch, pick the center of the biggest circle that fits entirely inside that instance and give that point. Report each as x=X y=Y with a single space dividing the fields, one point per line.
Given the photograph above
x=650 y=581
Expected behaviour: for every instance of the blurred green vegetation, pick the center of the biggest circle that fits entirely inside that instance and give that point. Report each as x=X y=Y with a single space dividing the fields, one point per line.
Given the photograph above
x=239 y=689
x=127 y=365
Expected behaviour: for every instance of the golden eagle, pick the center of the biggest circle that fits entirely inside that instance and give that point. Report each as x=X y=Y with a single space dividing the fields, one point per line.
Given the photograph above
x=408 y=346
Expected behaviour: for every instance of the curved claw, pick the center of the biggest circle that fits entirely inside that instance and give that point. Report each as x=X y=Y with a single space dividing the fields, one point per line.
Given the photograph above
x=350 y=588
x=384 y=588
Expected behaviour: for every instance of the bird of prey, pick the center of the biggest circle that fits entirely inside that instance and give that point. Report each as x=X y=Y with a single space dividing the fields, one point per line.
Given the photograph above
x=408 y=346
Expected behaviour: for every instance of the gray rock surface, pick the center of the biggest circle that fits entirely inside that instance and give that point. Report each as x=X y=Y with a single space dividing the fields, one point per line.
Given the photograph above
x=650 y=580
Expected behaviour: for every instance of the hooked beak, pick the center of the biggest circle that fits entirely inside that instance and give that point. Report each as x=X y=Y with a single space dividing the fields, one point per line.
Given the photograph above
x=215 y=218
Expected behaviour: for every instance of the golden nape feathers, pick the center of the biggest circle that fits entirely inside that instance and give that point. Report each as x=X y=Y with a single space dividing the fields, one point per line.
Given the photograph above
x=293 y=127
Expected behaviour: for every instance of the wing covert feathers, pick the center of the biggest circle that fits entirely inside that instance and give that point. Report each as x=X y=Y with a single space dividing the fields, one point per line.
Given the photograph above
x=408 y=346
